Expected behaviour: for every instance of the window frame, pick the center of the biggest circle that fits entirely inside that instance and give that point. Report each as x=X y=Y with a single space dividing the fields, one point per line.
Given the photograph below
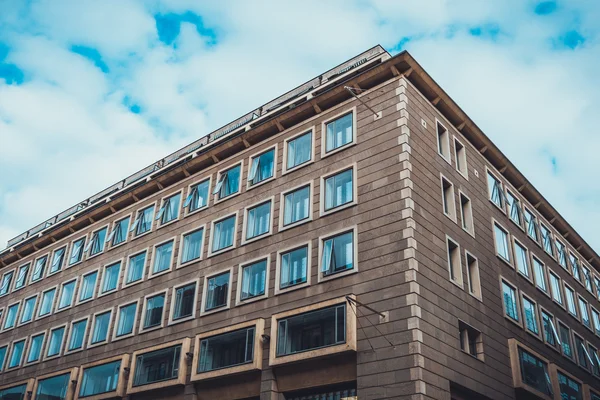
x=460 y=281
x=324 y=177
x=208 y=276
x=114 y=336
x=144 y=300
x=332 y=118
x=171 y=320
x=18 y=322
x=278 y=266
x=558 y=346
x=27 y=382
x=443 y=141
x=80 y=286
x=121 y=386
x=536 y=225
x=63 y=263
x=555 y=369
x=517 y=243
x=469 y=220
x=91 y=345
x=181 y=264
x=581 y=299
x=86 y=333
x=507 y=192
x=40 y=302
x=131 y=232
x=212 y=253
x=113 y=227
x=42 y=348
x=349 y=346
x=70 y=253
x=524 y=296
x=584 y=267
x=592 y=311
x=584 y=344
x=578 y=315
x=158 y=222
x=560 y=287
x=151 y=274
x=127 y=261
x=330 y=235
x=185 y=344
x=189 y=191
x=220 y=172
x=519 y=323
x=10 y=353
x=452 y=204
x=255 y=365
x=501 y=207
x=240 y=269
x=312 y=130
x=5 y=360
x=60 y=292
x=513 y=350
x=478 y=294
x=103 y=277
x=509 y=262
x=545 y=272
x=543 y=226
x=571 y=343
x=73 y=377
x=62 y=349
x=282 y=195
x=17 y=316
x=259 y=153
x=271 y=201
x=12 y=281
x=565 y=251
x=88 y=254
x=33 y=264
x=29 y=265
x=463 y=156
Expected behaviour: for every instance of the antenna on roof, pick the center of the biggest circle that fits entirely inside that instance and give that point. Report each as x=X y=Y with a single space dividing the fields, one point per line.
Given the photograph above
x=353 y=91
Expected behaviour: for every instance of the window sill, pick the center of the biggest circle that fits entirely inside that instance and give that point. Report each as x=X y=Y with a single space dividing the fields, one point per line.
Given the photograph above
x=457 y=283
x=92 y=345
x=106 y=293
x=451 y=217
x=502 y=210
x=322 y=278
x=157 y=274
x=181 y=320
x=53 y=357
x=134 y=237
x=527 y=278
x=324 y=212
x=171 y=222
x=196 y=211
x=126 y=285
x=472 y=356
x=256 y=238
x=291 y=288
x=311 y=354
x=537 y=336
x=214 y=310
x=517 y=323
x=252 y=186
x=504 y=260
x=43 y=316
x=94 y=255
x=21 y=288
x=471 y=232
x=126 y=336
x=297 y=167
x=53 y=273
x=464 y=174
x=221 y=251
x=154 y=328
x=20 y=324
x=447 y=159
x=78 y=302
x=476 y=297
x=70 y=352
x=216 y=199
x=74 y=264
x=295 y=224
x=189 y=262
x=546 y=293
x=325 y=153
x=118 y=244
x=251 y=299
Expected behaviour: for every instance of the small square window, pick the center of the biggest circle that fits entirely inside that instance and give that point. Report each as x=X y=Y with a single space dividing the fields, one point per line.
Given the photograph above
x=154 y=306
x=197 y=198
x=297 y=206
x=136 y=265
x=298 y=151
x=216 y=291
x=338 y=253
x=253 y=280
x=338 y=190
x=258 y=221
x=162 y=257
x=110 y=278
x=184 y=302
x=169 y=211
x=77 y=335
x=39 y=268
x=228 y=182
x=100 y=326
x=77 y=251
x=262 y=167
x=55 y=341
x=87 y=290
x=339 y=133
x=118 y=235
x=470 y=340
x=97 y=242
x=191 y=246
x=143 y=221
x=58 y=260
x=125 y=322
x=223 y=234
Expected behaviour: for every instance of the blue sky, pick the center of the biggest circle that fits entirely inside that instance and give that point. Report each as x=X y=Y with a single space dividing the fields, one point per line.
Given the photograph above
x=92 y=91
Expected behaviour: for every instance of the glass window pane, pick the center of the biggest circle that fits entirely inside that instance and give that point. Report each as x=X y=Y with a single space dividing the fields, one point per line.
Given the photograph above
x=218 y=291
x=502 y=248
x=539 y=272
x=47 y=302
x=339 y=189
x=77 y=335
x=338 y=254
x=101 y=324
x=11 y=316
x=162 y=257
x=198 y=196
x=253 y=280
x=16 y=354
x=14 y=393
x=135 y=270
x=39 y=268
x=143 y=222
x=35 y=348
x=534 y=372
x=111 y=277
x=184 y=301
x=296 y=205
x=57 y=260
x=339 y=133
x=127 y=315
x=223 y=234
x=66 y=295
x=510 y=301
x=192 y=246
x=100 y=379
x=556 y=288
x=530 y=314
x=77 y=251
x=88 y=286
x=55 y=388
x=230 y=182
x=6 y=281
x=226 y=350
x=565 y=338
x=22 y=274
x=97 y=242
x=154 y=311
x=293 y=267
x=28 y=309
x=521 y=259
x=299 y=150
x=170 y=209
x=569 y=389
x=157 y=366
x=262 y=167
x=259 y=220
x=55 y=342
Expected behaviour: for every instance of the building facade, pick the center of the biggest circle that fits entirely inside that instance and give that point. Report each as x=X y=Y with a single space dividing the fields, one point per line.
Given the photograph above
x=356 y=238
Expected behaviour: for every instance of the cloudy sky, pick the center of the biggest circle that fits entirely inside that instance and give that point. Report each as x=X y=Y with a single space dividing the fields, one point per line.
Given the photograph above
x=92 y=91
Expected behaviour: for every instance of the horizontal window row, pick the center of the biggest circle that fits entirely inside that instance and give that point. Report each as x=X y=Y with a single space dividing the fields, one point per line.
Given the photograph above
x=231 y=350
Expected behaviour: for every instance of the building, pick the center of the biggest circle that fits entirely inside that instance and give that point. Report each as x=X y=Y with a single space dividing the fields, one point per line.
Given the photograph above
x=357 y=237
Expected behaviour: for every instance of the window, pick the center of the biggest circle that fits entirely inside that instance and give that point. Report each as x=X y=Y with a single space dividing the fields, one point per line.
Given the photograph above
x=110 y=278
x=461 y=158
x=339 y=132
x=597 y=284
x=556 y=288
x=35 y=348
x=154 y=307
x=338 y=190
x=470 y=340
x=338 y=253
x=3 y=351
x=575 y=266
x=521 y=260
x=197 y=197
x=454 y=262
x=157 y=366
x=169 y=210
x=585 y=315
x=443 y=141
x=511 y=308
x=135 y=268
x=530 y=316
x=587 y=278
x=77 y=335
x=562 y=255
x=55 y=341
x=97 y=242
x=534 y=372
x=254 y=279
x=22 y=274
x=297 y=206
x=191 y=246
x=17 y=392
x=163 y=257
x=226 y=350
x=46 y=302
x=217 y=291
x=39 y=268
x=531 y=225
x=54 y=388
x=550 y=333
x=571 y=306
x=448 y=199
x=501 y=240
x=119 y=233
x=569 y=389
x=539 y=272
x=565 y=339
x=77 y=251
x=298 y=150
x=88 y=286
x=184 y=302
x=229 y=182
x=547 y=240
x=466 y=214
x=474 y=279
x=28 y=309
x=596 y=320
x=126 y=316
x=6 y=281
x=99 y=379
x=100 y=325
x=262 y=167
x=595 y=360
x=11 y=316
x=514 y=208
x=495 y=190
x=143 y=221
x=294 y=267
x=258 y=220
x=16 y=354
x=311 y=330
x=223 y=235
x=582 y=354
x=58 y=259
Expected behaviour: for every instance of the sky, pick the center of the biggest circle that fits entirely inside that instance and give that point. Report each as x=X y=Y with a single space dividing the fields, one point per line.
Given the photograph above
x=93 y=91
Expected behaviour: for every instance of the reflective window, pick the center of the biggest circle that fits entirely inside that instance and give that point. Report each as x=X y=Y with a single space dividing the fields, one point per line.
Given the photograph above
x=28 y=309
x=143 y=221
x=571 y=306
x=35 y=348
x=77 y=251
x=97 y=242
x=67 y=292
x=192 y=246
x=565 y=338
x=55 y=341
x=495 y=190
x=531 y=225
x=262 y=167
x=6 y=281
x=217 y=292
x=514 y=208
x=110 y=280
x=100 y=379
x=509 y=295
x=547 y=239
x=339 y=189
x=569 y=389
x=157 y=366
x=296 y=206
x=259 y=220
x=135 y=268
x=11 y=316
x=58 y=259
x=119 y=233
x=338 y=254
x=575 y=266
x=22 y=274
x=126 y=321
x=299 y=150
x=88 y=286
x=254 y=278
x=198 y=197
x=226 y=350
x=534 y=372
x=14 y=393
x=338 y=133
x=502 y=246
x=183 y=303
x=585 y=315
x=530 y=314
x=294 y=265
x=46 y=302
x=100 y=326
x=154 y=311
x=550 y=333
x=163 y=254
x=539 y=272
x=55 y=388
x=556 y=288
x=521 y=259
x=16 y=354
x=169 y=210
x=39 y=268
x=228 y=183
x=77 y=337
x=562 y=254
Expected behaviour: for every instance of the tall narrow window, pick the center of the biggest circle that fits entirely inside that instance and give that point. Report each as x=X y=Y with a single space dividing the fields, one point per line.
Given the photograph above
x=28 y=309
x=226 y=350
x=6 y=282
x=595 y=362
x=547 y=240
x=198 y=196
x=501 y=240
x=299 y=150
x=55 y=341
x=110 y=278
x=184 y=302
x=258 y=220
x=474 y=279
x=58 y=259
x=585 y=315
x=46 y=302
x=228 y=182
x=169 y=210
x=262 y=167
x=135 y=268
x=294 y=267
x=521 y=259
x=39 y=268
x=163 y=257
x=461 y=157
x=35 y=348
x=217 y=291
x=126 y=319
x=531 y=225
x=597 y=284
x=88 y=286
x=339 y=133
x=97 y=242
x=575 y=266
x=443 y=141
x=565 y=339
x=339 y=189
x=539 y=272
x=556 y=288
x=495 y=190
x=587 y=278
x=143 y=221
x=100 y=325
x=550 y=333
x=514 y=208
x=466 y=214
x=223 y=234
x=11 y=316
x=454 y=262
x=296 y=206
x=67 y=293
x=530 y=316
x=254 y=280
x=77 y=251
x=156 y=366
x=77 y=335
x=470 y=340
x=596 y=321
x=22 y=274
x=571 y=305
x=19 y=392
x=3 y=352
x=448 y=199
x=100 y=379
x=16 y=354
x=338 y=254
x=562 y=254
x=153 y=315
x=509 y=295
x=192 y=246
x=119 y=233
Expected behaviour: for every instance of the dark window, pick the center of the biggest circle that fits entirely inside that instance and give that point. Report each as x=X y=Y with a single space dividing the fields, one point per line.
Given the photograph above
x=100 y=379
x=470 y=340
x=14 y=393
x=569 y=389
x=534 y=372
x=582 y=355
x=217 y=291
x=565 y=338
x=154 y=311
x=226 y=350
x=184 y=301
x=311 y=330
x=157 y=366
x=55 y=388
